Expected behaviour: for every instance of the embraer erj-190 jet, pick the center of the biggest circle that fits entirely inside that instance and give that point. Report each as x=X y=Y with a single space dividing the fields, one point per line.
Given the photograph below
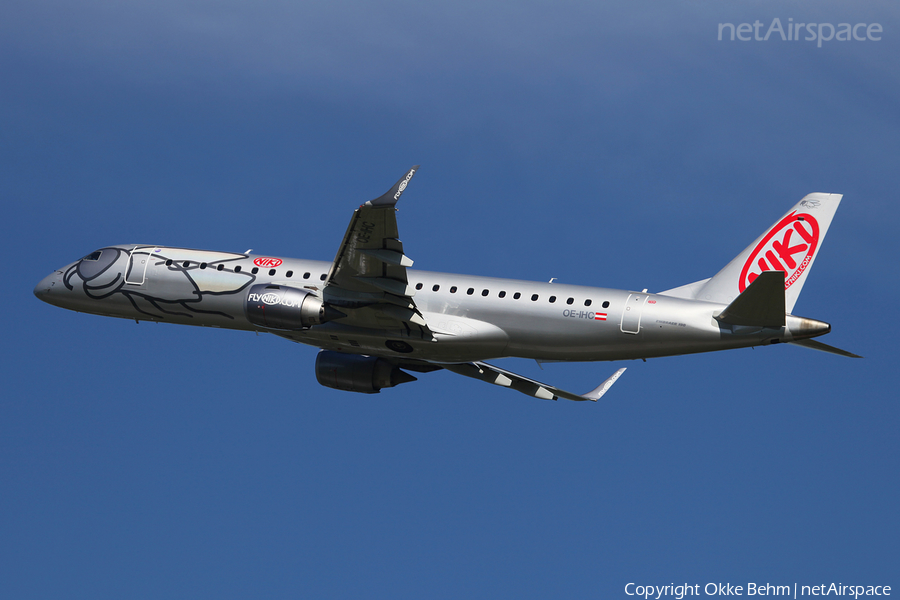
x=374 y=318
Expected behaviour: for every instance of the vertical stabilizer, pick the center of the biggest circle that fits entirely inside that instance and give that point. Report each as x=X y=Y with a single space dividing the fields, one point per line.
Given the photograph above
x=790 y=245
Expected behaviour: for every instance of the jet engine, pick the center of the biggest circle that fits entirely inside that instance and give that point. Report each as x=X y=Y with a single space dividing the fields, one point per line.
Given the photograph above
x=284 y=307
x=357 y=373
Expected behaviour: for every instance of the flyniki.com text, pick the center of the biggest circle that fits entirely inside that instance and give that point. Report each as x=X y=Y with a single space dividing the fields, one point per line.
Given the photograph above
x=792 y=32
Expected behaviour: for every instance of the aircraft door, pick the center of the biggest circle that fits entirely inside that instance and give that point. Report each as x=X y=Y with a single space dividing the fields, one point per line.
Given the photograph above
x=631 y=316
x=138 y=263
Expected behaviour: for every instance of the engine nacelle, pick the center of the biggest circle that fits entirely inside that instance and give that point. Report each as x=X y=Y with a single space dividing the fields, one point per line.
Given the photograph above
x=285 y=307
x=357 y=373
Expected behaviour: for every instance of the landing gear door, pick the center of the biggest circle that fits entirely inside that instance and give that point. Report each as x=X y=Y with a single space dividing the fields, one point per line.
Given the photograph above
x=631 y=316
x=137 y=264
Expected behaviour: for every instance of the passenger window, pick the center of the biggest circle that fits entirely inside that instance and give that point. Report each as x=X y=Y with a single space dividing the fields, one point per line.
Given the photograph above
x=606 y=304
x=255 y=270
x=587 y=302
x=453 y=290
x=271 y=272
x=534 y=297
x=306 y=276
x=202 y=265
x=322 y=276
x=502 y=295
x=570 y=300
x=517 y=295
x=470 y=291
x=552 y=299
x=289 y=274
x=187 y=264
x=169 y=263
x=435 y=288
x=484 y=292
x=237 y=269
x=220 y=267
x=418 y=286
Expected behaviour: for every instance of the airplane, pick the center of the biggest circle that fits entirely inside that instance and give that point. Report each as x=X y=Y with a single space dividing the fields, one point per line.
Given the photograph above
x=376 y=320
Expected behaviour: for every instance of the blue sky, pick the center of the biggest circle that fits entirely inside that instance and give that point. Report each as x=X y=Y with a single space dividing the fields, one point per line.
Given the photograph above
x=618 y=145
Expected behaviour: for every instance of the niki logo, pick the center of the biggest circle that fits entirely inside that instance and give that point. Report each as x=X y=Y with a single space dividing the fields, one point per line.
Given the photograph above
x=789 y=246
x=265 y=261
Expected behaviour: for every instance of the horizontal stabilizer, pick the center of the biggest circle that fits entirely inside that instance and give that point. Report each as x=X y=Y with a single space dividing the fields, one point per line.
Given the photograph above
x=815 y=345
x=761 y=304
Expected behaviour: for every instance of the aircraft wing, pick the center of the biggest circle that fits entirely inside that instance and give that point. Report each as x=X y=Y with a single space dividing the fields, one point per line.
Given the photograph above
x=529 y=387
x=367 y=280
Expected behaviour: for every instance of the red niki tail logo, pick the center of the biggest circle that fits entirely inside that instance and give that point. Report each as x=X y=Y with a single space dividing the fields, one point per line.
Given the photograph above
x=789 y=246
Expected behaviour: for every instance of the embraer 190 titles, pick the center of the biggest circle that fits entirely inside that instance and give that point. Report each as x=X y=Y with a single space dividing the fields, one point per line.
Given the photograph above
x=374 y=318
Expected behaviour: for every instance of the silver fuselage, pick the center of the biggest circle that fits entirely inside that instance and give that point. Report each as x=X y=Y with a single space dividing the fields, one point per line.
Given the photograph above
x=473 y=318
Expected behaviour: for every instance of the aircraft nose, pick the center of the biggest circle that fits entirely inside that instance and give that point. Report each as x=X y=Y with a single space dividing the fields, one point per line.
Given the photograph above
x=44 y=289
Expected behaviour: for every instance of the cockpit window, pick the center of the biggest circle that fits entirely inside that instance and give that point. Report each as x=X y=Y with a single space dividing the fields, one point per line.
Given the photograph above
x=96 y=263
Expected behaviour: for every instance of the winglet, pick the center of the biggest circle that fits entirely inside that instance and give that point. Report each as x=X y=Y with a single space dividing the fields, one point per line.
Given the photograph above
x=604 y=387
x=390 y=197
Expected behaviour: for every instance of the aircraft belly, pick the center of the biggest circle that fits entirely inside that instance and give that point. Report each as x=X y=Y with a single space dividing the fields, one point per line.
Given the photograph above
x=457 y=339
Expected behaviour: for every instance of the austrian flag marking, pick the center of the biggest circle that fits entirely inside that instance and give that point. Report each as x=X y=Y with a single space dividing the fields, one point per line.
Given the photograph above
x=599 y=316
x=789 y=246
